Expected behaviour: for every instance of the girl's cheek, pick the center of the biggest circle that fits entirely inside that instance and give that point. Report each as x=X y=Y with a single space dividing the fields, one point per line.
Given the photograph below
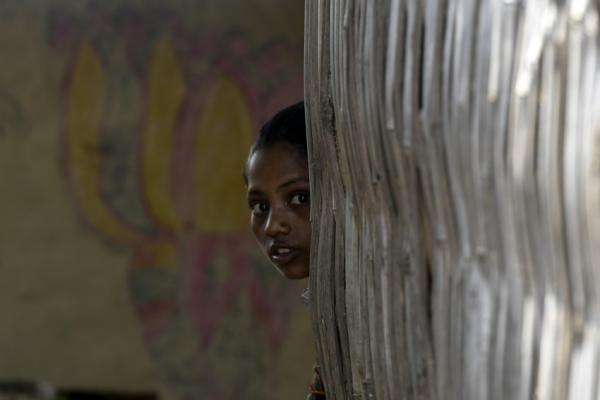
x=255 y=226
x=304 y=213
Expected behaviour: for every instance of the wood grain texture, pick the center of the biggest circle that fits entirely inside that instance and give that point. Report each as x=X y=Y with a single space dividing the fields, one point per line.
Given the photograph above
x=454 y=149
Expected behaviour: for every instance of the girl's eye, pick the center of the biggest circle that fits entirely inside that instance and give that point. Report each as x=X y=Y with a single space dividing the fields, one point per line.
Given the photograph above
x=260 y=207
x=300 y=199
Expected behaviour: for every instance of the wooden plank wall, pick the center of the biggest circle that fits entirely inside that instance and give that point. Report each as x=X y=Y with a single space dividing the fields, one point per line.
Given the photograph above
x=455 y=152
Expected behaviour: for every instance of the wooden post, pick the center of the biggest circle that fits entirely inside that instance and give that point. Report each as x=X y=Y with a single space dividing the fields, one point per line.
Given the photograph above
x=454 y=153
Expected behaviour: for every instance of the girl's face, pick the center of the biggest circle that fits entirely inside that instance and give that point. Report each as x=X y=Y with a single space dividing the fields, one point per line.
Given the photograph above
x=279 y=200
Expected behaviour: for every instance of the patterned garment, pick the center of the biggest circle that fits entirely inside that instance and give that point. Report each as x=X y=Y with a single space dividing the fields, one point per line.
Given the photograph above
x=317 y=391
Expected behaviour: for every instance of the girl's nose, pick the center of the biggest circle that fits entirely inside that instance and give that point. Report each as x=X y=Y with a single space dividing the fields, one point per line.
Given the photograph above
x=277 y=224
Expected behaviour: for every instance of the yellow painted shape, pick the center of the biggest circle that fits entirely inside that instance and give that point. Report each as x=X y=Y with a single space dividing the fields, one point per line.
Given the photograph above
x=157 y=254
x=165 y=95
x=86 y=97
x=224 y=137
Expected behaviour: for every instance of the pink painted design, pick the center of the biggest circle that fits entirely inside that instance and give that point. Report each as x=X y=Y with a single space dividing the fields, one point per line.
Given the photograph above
x=207 y=273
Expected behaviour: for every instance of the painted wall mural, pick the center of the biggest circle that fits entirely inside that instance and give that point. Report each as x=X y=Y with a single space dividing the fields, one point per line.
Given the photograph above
x=157 y=118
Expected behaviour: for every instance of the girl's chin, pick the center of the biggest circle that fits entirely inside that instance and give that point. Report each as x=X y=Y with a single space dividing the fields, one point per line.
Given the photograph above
x=294 y=272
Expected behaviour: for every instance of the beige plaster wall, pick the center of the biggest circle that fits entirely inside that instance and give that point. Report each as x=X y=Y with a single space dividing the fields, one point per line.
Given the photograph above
x=81 y=305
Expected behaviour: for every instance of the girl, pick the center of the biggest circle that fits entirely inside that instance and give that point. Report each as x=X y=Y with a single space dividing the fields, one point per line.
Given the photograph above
x=278 y=194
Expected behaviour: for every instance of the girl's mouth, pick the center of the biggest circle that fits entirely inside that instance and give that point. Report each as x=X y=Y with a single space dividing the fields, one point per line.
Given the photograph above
x=282 y=255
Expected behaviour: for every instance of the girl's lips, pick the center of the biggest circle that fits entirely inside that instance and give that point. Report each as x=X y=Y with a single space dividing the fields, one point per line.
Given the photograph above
x=282 y=259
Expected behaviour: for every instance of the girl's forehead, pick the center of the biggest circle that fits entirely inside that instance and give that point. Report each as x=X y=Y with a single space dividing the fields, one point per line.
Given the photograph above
x=274 y=164
x=277 y=157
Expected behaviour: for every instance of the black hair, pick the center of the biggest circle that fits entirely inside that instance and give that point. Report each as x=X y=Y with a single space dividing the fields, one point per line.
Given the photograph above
x=286 y=127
